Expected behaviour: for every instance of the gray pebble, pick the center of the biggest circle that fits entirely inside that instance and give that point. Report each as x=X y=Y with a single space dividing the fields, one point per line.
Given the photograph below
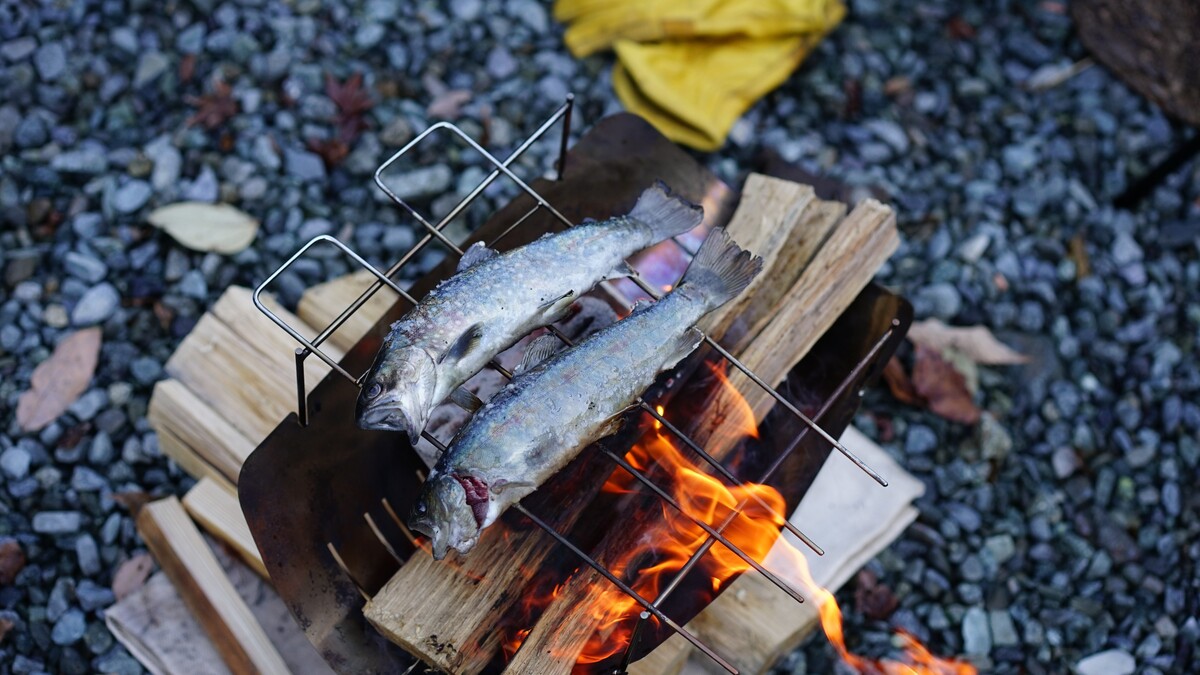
x=1111 y=662
x=131 y=196
x=500 y=63
x=15 y=462
x=889 y=132
x=304 y=165
x=204 y=188
x=151 y=65
x=942 y=301
x=1004 y=632
x=30 y=132
x=87 y=160
x=84 y=479
x=920 y=440
x=976 y=633
x=57 y=522
x=89 y=404
x=69 y=629
x=96 y=306
x=87 y=554
x=92 y=596
x=50 y=61
x=85 y=267
x=1125 y=250
x=418 y=183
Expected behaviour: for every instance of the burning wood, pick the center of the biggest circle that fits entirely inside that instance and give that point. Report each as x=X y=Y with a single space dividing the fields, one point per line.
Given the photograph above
x=816 y=264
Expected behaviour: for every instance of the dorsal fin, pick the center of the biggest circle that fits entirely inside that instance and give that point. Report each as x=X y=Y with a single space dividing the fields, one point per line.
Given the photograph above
x=539 y=350
x=464 y=344
x=474 y=255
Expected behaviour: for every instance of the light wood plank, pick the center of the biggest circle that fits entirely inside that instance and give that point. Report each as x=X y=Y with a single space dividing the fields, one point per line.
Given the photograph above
x=322 y=303
x=215 y=506
x=196 y=574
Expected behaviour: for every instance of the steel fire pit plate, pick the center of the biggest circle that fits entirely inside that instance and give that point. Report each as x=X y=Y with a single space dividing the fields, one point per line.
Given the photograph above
x=305 y=488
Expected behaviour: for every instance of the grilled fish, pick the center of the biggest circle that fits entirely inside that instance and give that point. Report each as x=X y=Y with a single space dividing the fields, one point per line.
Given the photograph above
x=494 y=299
x=553 y=409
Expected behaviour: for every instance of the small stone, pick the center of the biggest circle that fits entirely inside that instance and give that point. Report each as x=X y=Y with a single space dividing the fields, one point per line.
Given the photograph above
x=146 y=370
x=304 y=165
x=98 y=638
x=193 y=285
x=466 y=10
x=168 y=162
x=1001 y=546
x=20 y=48
x=419 y=183
x=368 y=35
x=1065 y=462
x=994 y=440
x=204 y=188
x=1004 y=633
x=30 y=132
x=58 y=604
x=84 y=161
x=57 y=522
x=397 y=133
x=150 y=66
x=118 y=662
x=1019 y=160
x=96 y=306
x=920 y=440
x=531 y=13
x=50 y=61
x=132 y=196
x=1111 y=662
x=87 y=554
x=84 y=479
x=101 y=451
x=84 y=267
x=191 y=39
x=1125 y=251
x=940 y=300
x=977 y=638
x=15 y=462
x=889 y=132
x=500 y=63
x=69 y=629
x=89 y=404
x=973 y=249
x=92 y=596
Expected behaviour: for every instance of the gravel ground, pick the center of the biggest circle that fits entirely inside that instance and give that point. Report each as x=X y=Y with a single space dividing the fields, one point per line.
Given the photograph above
x=1056 y=530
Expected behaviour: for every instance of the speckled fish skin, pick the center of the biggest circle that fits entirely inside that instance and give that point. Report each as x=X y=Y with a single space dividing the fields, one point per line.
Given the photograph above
x=495 y=299
x=546 y=415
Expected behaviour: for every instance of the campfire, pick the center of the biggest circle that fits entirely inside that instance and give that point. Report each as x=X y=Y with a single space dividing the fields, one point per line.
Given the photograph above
x=648 y=527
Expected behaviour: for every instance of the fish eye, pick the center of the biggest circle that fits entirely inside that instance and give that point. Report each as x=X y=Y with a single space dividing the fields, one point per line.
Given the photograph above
x=421 y=509
x=374 y=390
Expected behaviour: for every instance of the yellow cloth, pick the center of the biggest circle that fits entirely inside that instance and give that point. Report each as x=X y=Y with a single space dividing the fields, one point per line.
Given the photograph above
x=692 y=67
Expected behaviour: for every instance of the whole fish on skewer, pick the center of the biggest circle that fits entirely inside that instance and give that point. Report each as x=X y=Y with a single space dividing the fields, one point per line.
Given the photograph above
x=551 y=410
x=494 y=299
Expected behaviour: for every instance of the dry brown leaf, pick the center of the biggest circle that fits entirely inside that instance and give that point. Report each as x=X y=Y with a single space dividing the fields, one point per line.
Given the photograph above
x=214 y=108
x=131 y=575
x=975 y=342
x=5 y=626
x=873 y=598
x=206 y=227
x=899 y=383
x=12 y=560
x=943 y=387
x=59 y=380
x=1079 y=255
x=448 y=104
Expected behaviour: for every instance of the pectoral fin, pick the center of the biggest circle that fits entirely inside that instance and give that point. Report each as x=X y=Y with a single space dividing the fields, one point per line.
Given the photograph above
x=466 y=342
x=539 y=350
x=474 y=255
x=553 y=309
x=684 y=344
x=465 y=399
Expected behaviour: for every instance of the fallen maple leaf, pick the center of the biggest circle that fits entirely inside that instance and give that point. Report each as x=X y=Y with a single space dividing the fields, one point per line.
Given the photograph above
x=59 y=380
x=353 y=103
x=943 y=387
x=874 y=599
x=899 y=383
x=213 y=108
x=974 y=342
x=331 y=150
x=12 y=560
x=131 y=575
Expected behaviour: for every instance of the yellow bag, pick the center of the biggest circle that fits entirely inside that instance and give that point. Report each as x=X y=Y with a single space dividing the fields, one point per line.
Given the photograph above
x=692 y=68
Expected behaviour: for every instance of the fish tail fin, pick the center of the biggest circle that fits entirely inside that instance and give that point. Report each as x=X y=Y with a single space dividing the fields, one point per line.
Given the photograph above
x=665 y=214
x=721 y=269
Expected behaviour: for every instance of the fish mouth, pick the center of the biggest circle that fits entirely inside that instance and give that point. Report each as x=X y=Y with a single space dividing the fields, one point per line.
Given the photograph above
x=390 y=415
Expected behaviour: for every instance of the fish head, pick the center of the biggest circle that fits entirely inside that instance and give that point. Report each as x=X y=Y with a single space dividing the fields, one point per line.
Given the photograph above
x=442 y=513
x=398 y=393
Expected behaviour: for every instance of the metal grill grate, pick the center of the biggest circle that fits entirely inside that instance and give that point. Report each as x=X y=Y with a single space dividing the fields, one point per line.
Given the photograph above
x=435 y=231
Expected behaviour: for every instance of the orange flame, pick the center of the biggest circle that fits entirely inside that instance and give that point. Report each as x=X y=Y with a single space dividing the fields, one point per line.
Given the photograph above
x=753 y=526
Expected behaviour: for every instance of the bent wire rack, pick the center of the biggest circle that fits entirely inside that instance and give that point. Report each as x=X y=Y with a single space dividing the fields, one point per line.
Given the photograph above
x=434 y=231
